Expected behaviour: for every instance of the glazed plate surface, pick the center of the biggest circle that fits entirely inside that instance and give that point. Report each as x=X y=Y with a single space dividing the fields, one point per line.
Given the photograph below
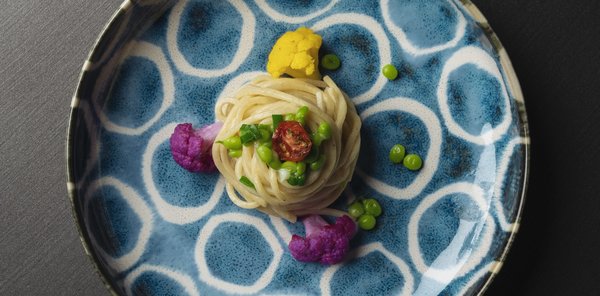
x=153 y=228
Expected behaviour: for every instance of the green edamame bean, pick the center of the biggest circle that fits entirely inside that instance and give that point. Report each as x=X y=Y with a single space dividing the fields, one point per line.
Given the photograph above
x=235 y=153
x=264 y=153
x=232 y=142
x=289 y=165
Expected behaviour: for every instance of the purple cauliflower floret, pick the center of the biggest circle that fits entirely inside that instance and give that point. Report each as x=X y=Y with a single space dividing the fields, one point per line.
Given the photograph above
x=324 y=243
x=191 y=148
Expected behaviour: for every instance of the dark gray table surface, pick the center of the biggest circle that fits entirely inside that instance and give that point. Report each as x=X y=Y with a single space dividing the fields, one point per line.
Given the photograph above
x=554 y=48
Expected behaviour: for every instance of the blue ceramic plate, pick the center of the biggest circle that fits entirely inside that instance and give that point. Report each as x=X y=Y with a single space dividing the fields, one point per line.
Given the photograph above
x=153 y=228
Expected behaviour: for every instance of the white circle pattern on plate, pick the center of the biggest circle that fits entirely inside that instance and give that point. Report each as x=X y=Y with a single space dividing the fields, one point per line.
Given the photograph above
x=280 y=17
x=141 y=210
x=184 y=280
x=204 y=236
x=247 y=38
x=383 y=46
x=480 y=58
x=153 y=53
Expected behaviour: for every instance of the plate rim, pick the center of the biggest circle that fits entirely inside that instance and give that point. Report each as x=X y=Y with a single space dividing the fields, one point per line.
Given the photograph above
x=469 y=7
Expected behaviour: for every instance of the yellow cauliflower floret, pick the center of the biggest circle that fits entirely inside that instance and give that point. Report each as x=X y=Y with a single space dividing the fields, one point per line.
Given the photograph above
x=296 y=53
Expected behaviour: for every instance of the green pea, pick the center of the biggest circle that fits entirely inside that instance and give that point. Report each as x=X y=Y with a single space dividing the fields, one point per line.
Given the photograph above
x=389 y=71
x=289 y=117
x=301 y=120
x=267 y=127
x=264 y=153
x=301 y=115
x=275 y=163
x=366 y=222
x=274 y=154
x=265 y=135
x=268 y=144
x=330 y=62
x=289 y=165
x=300 y=167
x=302 y=112
x=356 y=210
x=397 y=153
x=235 y=153
x=315 y=166
x=372 y=207
x=317 y=139
x=412 y=162
x=232 y=142
x=324 y=130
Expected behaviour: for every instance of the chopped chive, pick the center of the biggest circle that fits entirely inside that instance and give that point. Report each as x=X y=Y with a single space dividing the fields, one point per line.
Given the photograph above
x=277 y=118
x=247 y=139
x=244 y=180
x=249 y=133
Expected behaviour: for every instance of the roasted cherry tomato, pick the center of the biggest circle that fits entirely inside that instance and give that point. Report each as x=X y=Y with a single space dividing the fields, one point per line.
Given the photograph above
x=291 y=141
